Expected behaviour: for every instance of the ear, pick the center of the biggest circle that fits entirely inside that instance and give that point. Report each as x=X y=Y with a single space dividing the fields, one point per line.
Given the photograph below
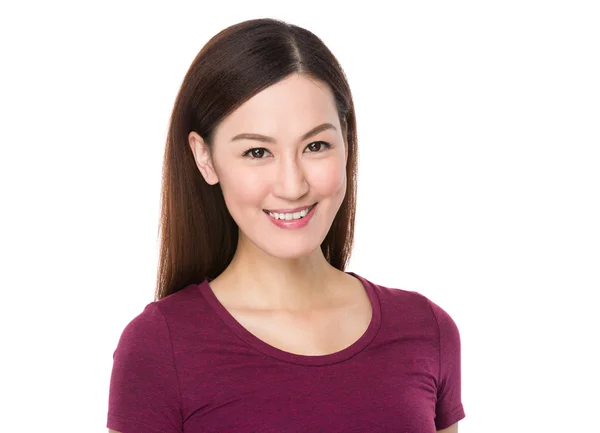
x=203 y=158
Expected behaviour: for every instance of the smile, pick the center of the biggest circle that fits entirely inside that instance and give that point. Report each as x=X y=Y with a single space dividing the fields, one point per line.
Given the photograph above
x=290 y=216
x=292 y=219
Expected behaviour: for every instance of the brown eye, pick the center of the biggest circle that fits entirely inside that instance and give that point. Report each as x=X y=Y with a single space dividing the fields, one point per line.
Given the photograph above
x=316 y=146
x=256 y=153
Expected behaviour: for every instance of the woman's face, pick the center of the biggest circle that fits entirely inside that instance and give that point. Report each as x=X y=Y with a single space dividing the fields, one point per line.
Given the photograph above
x=281 y=151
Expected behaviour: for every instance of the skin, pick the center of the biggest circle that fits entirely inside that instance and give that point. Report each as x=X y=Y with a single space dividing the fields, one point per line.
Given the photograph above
x=277 y=275
x=275 y=268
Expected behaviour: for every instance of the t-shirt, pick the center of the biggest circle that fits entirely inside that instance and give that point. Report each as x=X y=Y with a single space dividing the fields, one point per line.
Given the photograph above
x=185 y=364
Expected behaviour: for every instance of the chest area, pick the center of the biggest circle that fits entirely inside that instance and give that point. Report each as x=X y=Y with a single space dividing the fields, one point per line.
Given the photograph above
x=377 y=391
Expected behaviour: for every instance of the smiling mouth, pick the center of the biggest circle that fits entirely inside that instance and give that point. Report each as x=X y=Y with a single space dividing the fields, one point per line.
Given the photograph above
x=289 y=216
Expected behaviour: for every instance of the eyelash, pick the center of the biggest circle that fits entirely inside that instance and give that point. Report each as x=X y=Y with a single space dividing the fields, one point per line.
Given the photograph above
x=247 y=153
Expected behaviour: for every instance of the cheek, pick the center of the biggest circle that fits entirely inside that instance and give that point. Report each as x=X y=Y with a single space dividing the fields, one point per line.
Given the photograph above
x=243 y=187
x=329 y=178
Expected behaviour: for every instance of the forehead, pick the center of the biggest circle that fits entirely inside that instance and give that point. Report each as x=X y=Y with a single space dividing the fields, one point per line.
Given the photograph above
x=287 y=109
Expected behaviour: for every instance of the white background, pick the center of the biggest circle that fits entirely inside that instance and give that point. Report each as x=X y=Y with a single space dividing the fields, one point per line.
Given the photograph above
x=479 y=135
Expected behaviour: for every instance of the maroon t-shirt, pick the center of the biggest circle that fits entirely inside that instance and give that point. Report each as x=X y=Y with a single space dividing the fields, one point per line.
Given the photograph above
x=185 y=364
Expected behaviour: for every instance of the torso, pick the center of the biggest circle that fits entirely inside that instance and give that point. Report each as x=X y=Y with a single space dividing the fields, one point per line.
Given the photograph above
x=316 y=332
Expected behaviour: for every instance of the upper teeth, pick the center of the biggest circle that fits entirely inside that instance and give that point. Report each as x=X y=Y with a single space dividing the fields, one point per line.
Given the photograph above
x=290 y=216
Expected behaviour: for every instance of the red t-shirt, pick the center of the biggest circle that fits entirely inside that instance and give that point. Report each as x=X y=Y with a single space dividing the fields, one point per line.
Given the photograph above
x=186 y=365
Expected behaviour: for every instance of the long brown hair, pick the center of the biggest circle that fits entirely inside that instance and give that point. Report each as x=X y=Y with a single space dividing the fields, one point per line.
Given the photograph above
x=198 y=236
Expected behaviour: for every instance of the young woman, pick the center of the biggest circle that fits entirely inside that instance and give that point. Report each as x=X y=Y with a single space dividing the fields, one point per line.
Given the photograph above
x=256 y=327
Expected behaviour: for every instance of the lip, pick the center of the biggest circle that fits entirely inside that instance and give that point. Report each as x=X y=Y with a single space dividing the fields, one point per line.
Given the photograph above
x=293 y=224
x=298 y=209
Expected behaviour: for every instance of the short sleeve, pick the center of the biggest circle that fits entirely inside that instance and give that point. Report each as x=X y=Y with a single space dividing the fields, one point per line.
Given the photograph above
x=449 y=408
x=144 y=394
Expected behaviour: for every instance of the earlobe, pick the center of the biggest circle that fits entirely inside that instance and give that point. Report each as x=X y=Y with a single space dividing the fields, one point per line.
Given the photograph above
x=203 y=158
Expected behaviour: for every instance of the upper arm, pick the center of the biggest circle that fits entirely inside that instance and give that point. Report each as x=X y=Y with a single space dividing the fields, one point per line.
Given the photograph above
x=144 y=388
x=452 y=429
x=449 y=409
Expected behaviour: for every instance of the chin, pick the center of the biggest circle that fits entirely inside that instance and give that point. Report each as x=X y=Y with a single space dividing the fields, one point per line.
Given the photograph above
x=290 y=251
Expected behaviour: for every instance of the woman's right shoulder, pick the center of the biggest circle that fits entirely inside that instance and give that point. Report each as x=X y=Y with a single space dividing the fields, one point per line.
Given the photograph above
x=179 y=310
x=143 y=329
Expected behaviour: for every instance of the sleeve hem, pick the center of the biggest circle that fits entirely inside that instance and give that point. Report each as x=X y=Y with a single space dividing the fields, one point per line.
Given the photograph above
x=124 y=424
x=446 y=420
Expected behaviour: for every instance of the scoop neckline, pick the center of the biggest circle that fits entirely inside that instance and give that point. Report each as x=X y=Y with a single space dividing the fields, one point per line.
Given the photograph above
x=274 y=352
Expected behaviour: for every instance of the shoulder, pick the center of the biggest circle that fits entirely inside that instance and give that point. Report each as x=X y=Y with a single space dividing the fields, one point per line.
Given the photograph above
x=401 y=299
x=186 y=306
x=413 y=306
x=156 y=320
x=146 y=332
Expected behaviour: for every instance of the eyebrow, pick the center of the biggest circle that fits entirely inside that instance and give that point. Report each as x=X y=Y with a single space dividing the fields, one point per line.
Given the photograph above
x=265 y=139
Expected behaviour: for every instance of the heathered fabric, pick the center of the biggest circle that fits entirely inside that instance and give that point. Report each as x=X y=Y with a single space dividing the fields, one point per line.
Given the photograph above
x=185 y=364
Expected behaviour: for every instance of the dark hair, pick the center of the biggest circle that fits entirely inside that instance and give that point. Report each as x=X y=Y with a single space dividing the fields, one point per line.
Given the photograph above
x=198 y=236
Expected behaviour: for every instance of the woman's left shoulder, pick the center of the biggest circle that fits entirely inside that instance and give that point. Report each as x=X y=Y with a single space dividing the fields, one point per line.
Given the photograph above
x=393 y=295
x=399 y=298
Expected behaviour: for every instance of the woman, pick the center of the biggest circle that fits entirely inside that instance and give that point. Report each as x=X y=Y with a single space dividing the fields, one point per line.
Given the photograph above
x=256 y=327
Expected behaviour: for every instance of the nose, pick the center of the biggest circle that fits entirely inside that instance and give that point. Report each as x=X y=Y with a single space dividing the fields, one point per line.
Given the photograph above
x=290 y=180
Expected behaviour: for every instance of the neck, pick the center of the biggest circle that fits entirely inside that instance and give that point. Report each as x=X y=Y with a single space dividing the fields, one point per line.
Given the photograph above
x=261 y=281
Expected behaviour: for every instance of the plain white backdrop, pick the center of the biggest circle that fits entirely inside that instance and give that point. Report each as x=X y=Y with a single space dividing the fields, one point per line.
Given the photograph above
x=479 y=186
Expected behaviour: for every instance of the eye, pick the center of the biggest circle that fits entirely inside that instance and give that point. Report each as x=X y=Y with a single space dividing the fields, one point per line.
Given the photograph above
x=316 y=146
x=256 y=153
